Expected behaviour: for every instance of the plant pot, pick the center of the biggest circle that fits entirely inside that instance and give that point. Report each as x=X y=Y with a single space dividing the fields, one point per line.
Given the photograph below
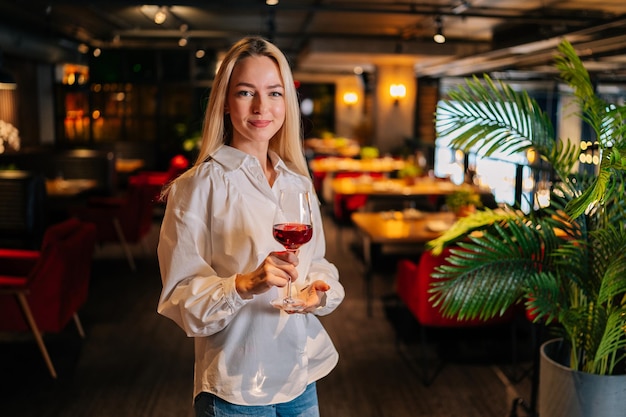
x=465 y=210
x=564 y=392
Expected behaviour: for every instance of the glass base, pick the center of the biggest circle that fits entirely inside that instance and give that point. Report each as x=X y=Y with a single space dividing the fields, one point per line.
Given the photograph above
x=288 y=306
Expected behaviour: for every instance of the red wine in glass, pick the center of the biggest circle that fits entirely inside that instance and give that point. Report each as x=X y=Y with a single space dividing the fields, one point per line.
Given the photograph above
x=292 y=235
x=292 y=228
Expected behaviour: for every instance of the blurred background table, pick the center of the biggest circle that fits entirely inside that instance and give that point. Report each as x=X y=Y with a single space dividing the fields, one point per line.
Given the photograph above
x=59 y=187
x=337 y=164
x=409 y=227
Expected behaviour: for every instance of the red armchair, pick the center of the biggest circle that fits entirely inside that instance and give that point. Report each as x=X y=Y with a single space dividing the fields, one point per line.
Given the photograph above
x=125 y=219
x=40 y=291
x=156 y=180
x=413 y=282
x=345 y=205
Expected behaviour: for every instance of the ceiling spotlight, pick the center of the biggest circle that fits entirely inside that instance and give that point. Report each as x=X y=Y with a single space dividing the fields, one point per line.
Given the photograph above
x=182 y=42
x=439 y=37
x=160 y=16
x=271 y=2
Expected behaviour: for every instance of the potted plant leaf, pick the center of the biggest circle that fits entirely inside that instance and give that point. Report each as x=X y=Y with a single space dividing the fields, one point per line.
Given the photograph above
x=565 y=261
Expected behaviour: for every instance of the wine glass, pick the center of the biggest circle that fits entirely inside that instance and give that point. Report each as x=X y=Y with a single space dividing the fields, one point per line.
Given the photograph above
x=293 y=227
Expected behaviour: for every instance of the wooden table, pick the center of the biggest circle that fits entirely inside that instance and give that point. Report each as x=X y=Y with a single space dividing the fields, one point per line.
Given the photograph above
x=408 y=227
x=395 y=187
x=333 y=164
x=377 y=194
x=336 y=147
x=69 y=188
x=128 y=165
x=66 y=194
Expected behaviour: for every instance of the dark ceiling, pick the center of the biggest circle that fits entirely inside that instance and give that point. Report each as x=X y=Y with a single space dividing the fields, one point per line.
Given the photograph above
x=325 y=36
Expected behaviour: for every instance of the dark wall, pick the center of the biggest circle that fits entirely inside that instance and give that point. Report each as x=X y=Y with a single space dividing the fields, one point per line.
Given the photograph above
x=25 y=73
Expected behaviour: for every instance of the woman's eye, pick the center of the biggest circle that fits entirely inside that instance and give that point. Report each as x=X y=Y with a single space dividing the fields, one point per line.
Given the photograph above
x=276 y=94
x=245 y=93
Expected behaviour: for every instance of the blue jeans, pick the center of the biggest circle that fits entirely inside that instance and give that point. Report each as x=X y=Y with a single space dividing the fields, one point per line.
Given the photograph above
x=305 y=405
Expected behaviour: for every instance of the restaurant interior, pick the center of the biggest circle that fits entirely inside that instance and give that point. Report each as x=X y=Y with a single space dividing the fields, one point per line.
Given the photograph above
x=101 y=105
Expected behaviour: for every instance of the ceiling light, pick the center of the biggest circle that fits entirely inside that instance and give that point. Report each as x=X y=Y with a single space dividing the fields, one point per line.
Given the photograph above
x=439 y=37
x=271 y=2
x=160 y=16
x=182 y=42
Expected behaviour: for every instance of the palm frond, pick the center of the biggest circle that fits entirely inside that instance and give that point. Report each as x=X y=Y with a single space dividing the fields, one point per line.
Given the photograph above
x=543 y=296
x=478 y=220
x=489 y=117
x=499 y=262
x=600 y=188
x=610 y=246
x=613 y=341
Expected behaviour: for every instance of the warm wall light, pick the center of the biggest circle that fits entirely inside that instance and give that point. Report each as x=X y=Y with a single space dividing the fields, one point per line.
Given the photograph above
x=397 y=92
x=350 y=98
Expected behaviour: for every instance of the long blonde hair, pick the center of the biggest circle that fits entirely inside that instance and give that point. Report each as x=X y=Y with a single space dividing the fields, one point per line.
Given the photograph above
x=217 y=128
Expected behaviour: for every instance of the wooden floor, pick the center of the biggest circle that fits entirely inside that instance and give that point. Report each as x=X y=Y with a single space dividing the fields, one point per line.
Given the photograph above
x=135 y=363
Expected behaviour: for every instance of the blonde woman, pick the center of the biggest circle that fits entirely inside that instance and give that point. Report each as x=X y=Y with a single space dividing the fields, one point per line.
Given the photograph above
x=220 y=264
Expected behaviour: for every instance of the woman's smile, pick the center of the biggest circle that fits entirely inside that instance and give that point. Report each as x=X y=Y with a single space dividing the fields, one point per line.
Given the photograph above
x=260 y=123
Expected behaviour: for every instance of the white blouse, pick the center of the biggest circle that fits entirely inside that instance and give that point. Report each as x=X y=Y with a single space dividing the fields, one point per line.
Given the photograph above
x=218 y=223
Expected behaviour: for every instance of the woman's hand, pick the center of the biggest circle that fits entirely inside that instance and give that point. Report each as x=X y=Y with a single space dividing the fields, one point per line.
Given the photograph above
x=274 y=271
x=313 y=295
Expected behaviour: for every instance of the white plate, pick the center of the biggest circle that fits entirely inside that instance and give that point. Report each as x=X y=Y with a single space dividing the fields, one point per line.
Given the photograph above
x=437 y=225
x=412 y=214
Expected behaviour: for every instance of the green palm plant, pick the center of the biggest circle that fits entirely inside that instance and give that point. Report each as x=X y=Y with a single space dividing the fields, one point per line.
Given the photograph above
x=566 y=262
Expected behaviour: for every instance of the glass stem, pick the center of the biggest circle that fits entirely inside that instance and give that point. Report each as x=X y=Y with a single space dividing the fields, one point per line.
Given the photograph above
x=288 y=299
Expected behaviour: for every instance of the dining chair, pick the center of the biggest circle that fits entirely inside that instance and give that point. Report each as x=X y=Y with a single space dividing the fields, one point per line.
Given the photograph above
x=125 y=219
x=42 y=290
x=413 y=284
x=156 y=180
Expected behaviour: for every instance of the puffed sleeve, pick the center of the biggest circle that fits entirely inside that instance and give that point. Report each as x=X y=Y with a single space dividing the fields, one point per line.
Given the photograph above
x=193 y=295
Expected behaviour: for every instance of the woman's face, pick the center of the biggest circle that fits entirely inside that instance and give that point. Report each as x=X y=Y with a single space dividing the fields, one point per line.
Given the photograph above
x=255 y=101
